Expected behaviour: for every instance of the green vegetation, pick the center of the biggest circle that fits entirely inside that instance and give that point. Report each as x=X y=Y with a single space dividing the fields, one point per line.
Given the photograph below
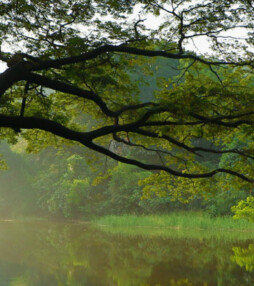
x=244 y=209
x=119 y=121
x=244 y=257
x=57 y=183
x=218 y=235
x=180 y=220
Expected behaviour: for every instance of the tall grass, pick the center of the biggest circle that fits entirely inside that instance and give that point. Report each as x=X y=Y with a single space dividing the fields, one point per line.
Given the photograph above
x=182 y=220
x=187 y=225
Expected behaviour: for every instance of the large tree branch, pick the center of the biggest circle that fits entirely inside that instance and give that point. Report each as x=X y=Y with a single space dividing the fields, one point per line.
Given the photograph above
x=21 y=122
x=85 y=139
x=135 y=127
x=201 y=149
x=188 y=148
x=218 y=121
x=71 y=89
x=58 y=63
x=206 y=120
x=232 y=151
x=86 y=94
x=151 y=167
x=13 y=74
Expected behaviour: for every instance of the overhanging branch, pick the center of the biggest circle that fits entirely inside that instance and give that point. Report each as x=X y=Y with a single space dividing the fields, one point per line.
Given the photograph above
x=151 y=167
x=71 y=89
x=128 y=50
x=85 y=138
x=21 y=122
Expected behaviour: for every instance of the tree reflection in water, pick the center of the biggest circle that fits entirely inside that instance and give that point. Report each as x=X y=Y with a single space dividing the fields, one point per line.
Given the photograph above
x=244 y=257
x=45 y=254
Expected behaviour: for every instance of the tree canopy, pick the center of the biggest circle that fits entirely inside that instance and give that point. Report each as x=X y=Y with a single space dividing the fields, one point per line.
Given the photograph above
x=76 y=70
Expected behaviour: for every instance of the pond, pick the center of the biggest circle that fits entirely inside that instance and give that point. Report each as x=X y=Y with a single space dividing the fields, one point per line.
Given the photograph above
x=54 y=254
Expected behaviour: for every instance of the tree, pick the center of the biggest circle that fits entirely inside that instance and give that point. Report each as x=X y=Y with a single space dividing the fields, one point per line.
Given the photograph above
x=72 y=68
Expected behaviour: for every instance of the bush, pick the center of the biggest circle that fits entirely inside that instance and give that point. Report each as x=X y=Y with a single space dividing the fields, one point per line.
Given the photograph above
x=244 y=209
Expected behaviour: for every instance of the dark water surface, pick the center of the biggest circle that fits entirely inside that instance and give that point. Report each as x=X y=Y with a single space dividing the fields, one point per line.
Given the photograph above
x=58 y=254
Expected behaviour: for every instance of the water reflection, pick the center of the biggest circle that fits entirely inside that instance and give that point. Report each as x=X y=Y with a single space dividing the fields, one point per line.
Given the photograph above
x=244 y=257
x=45 y=254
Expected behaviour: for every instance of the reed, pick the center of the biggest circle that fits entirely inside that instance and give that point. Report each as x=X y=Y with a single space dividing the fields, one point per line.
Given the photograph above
x=179 y=220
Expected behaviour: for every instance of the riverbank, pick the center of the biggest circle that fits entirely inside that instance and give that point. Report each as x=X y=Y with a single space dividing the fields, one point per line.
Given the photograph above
x=188 y=225
x=174 y=220
x=179 y=220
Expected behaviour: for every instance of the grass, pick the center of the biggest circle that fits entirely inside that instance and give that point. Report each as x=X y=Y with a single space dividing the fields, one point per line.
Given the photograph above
x=177 y=225
x=180 y=220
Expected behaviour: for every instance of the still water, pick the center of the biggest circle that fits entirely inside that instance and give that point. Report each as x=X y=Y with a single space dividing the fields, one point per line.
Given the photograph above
x=58 y=254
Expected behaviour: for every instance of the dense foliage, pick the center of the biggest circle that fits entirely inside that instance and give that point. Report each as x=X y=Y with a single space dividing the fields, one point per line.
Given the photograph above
x=60 y=183
x=244 y=209
x=93 y=77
